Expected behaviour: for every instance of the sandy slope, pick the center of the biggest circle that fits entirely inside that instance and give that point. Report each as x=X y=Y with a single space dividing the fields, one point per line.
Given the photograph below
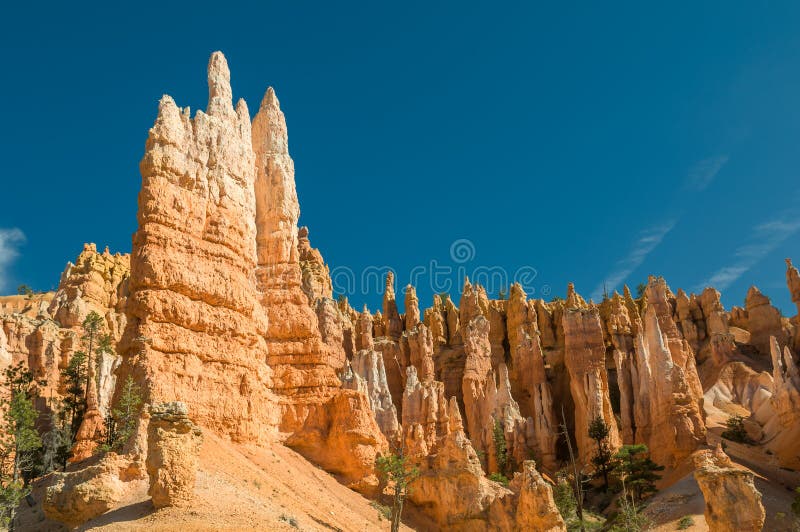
x=244 y=488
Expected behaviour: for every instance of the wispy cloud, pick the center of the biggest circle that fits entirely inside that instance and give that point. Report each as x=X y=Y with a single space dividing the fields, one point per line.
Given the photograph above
x=703 y=172
x=10 y=239
x=648 y=240
x=762 y=240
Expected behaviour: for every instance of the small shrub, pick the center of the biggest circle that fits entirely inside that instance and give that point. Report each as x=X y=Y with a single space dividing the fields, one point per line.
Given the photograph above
x=641 y=288
x=629 y=518
x=499 y=477
x=796 y=503
x=290 y=519
x=500 y=451
x=685 y=522
x=735 y=430
x=384 y=512
x=564 y=498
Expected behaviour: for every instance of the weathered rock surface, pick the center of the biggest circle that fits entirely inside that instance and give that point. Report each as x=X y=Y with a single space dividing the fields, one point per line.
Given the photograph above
x=93 y=427
x=528 y=378
x=173 y=448
x=96 y=282
x=783 y=429
x=77 y=496
x=584 y=354
x=302 y=363
x=196 y=330
x=732 y=502
x=344 y=438
x=763 y=321
x=369 y=377
x=531 y=505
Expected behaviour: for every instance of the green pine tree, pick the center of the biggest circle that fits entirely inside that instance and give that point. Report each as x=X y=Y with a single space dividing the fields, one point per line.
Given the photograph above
x=603 y=459
x=395 y=470
x=74 y=403
x=637 y=470
x=19 y=441
x=500 y=450
x=122 y=424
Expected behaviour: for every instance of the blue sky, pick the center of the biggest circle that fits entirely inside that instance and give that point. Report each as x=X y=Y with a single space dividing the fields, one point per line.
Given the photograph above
x=579 y=142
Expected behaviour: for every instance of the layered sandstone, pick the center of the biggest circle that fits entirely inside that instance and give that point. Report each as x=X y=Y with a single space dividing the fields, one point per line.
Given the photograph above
x=783 y=429
x=302 y=363
x=528 y=378
x=452 y=487
x=196 y=330
x=96 y=282
x=344 y=438
x=173 y=447
x=584 y=354
x=763 y=321
x=369 y=376
x=732 y=502
x=76 y=496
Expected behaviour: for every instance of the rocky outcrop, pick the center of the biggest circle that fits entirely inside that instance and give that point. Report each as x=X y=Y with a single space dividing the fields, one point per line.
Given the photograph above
x=416 y=349
x=763 y=321
x=5 y=356
x=425 y=416
x=530 y=506
x=479 y=387
x=453 y=490
x=46 y=330
x=584 y=355
x=793 y=282
x=302 y=363
x=660 y=392
x=452 y=487
x=75 y=497
x=315 y=273
x=489 y=407
x=369 y=376
x=392 y=324
x=671 y=420
x=738 y=384
x=528 y=379
x=411 y=304
x=96 y=282
x=173 y=448
x=93 y=427
x=195 y=327
x=344 y=438
x=783 y=430
x=732 y=502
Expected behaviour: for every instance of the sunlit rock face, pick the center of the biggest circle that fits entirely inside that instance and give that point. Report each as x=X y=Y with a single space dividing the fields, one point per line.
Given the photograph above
x=584 y=355
x=303 y=364
x=732 y=502
x=196 y=329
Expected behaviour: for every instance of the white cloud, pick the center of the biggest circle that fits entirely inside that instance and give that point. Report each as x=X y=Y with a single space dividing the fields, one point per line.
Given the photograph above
x=648 y=240
x=703 y=172
x=10 y=239
x=762 y=240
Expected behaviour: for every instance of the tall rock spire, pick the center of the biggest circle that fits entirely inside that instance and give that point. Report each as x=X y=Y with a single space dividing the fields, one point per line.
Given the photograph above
x=195 y=328
x=301 y=360
x=220 y=94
